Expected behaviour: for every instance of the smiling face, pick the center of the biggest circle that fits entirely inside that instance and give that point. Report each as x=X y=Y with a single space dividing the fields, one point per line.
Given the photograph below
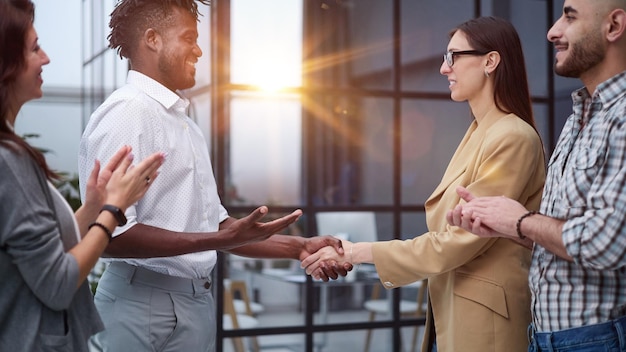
x=466 y=77
x=179 y=52
x=577 y=38
x=27 y=85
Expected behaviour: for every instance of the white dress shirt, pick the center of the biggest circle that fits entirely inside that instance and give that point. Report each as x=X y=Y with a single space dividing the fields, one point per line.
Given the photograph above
x=151 y=118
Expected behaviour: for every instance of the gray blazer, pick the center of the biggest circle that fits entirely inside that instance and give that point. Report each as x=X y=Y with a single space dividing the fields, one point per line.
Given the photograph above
x=40 y=307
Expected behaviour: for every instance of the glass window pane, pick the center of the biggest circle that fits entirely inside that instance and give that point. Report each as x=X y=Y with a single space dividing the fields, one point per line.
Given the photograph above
x=413 y=224
x=370 y=44
x=431 y=132
x=265 y=149
x=352 y=150
x=377 y=151
x=349 y=44
x=540 y=112
x=200 y=112
x=266 y=43
x=534 y=42
x=52 y=114
x=424 y=37
x=87 y=41
x=203 y=67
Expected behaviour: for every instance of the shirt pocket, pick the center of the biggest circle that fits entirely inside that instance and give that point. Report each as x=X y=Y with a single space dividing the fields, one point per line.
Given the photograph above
x=586 y=158
x=580 y=176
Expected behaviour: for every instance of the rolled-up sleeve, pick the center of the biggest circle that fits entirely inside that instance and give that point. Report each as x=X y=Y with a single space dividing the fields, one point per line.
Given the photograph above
x=595 y=235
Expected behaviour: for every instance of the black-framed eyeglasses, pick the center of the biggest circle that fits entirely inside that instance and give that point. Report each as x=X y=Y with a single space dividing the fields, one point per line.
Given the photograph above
x=448 y=57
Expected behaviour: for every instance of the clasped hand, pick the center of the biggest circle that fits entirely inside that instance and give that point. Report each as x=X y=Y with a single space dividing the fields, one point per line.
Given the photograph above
x=488 y=216
x=120 y=183
x=326 y=262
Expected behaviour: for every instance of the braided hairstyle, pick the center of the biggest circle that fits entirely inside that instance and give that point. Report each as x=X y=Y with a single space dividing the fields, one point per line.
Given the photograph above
x=131 y=18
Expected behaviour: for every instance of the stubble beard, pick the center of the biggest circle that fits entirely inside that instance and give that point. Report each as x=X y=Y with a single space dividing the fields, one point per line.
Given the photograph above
x=584 y=55
x=178 y=77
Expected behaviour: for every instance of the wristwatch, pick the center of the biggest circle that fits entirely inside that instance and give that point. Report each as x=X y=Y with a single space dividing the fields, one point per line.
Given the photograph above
x=117 y=213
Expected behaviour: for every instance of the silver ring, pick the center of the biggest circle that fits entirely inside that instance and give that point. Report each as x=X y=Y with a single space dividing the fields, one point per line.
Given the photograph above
x=147 y=180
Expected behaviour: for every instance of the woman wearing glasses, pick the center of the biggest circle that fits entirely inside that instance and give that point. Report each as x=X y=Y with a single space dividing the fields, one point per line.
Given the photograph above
x=478 y=287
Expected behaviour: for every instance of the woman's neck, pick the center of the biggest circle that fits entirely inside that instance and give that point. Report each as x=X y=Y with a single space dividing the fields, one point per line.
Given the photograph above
x=479 y=111
x=11 y=116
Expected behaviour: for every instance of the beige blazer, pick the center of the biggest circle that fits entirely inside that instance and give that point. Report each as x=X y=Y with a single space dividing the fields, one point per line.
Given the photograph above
x=478 y=287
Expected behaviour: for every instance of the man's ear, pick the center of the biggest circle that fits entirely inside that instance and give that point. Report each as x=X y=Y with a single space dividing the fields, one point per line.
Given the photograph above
x=493 y=60
x=152 y=39
x=616 y=25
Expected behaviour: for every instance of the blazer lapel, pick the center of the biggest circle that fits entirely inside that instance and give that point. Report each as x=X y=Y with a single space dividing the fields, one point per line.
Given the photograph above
x=465 y=153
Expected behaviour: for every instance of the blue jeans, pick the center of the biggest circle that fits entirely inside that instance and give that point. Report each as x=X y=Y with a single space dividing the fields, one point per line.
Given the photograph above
x=604 y=337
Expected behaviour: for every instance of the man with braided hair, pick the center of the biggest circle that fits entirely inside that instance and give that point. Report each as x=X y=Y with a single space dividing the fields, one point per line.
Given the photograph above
x=155 y=294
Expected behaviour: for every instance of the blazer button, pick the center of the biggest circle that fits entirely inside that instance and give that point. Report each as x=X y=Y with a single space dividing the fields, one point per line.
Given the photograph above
x=388 y=284
x=207 y=285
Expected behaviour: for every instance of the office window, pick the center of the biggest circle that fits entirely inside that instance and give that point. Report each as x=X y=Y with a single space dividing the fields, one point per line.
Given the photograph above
x=327 y=106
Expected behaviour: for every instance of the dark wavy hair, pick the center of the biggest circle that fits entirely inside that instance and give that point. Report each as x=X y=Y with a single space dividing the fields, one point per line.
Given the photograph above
x=511 y=92
x=16 y=18
x=131 y=18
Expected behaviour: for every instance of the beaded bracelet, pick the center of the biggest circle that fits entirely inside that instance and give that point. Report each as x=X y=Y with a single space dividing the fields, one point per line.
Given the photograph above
x=519 y=223
x=104 y=228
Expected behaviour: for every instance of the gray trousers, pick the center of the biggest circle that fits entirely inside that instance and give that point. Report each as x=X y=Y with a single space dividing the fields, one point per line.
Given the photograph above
x=146 y=311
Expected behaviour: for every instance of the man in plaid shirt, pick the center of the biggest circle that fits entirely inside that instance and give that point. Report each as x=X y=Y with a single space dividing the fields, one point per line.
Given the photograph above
x=578 y=271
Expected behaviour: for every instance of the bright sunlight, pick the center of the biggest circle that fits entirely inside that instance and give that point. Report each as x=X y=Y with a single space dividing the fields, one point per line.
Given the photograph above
x=263 y=55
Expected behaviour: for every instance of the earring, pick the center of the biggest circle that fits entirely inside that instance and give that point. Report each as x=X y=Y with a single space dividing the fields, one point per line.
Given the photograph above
x=486 y=73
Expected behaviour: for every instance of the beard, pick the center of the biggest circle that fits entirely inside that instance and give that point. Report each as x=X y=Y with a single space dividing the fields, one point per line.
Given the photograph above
x=176 y=74
x=584 y=55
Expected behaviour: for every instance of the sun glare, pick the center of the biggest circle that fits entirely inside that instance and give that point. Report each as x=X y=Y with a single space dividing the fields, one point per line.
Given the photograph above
x=266 y=56
x=274 y=78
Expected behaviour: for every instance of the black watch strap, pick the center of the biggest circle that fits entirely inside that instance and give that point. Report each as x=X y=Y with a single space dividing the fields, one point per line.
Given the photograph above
x=117 y=213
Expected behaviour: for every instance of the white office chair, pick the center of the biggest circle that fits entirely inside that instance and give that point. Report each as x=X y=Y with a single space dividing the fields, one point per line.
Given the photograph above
x=236 y=320
x=241 y=300
x=408 y=308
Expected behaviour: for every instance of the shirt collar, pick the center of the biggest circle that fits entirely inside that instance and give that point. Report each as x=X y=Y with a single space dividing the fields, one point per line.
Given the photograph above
x=157 y=91
x=606 y=92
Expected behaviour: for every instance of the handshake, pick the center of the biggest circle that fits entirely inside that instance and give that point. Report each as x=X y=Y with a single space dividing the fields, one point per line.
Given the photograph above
x=329 y=261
